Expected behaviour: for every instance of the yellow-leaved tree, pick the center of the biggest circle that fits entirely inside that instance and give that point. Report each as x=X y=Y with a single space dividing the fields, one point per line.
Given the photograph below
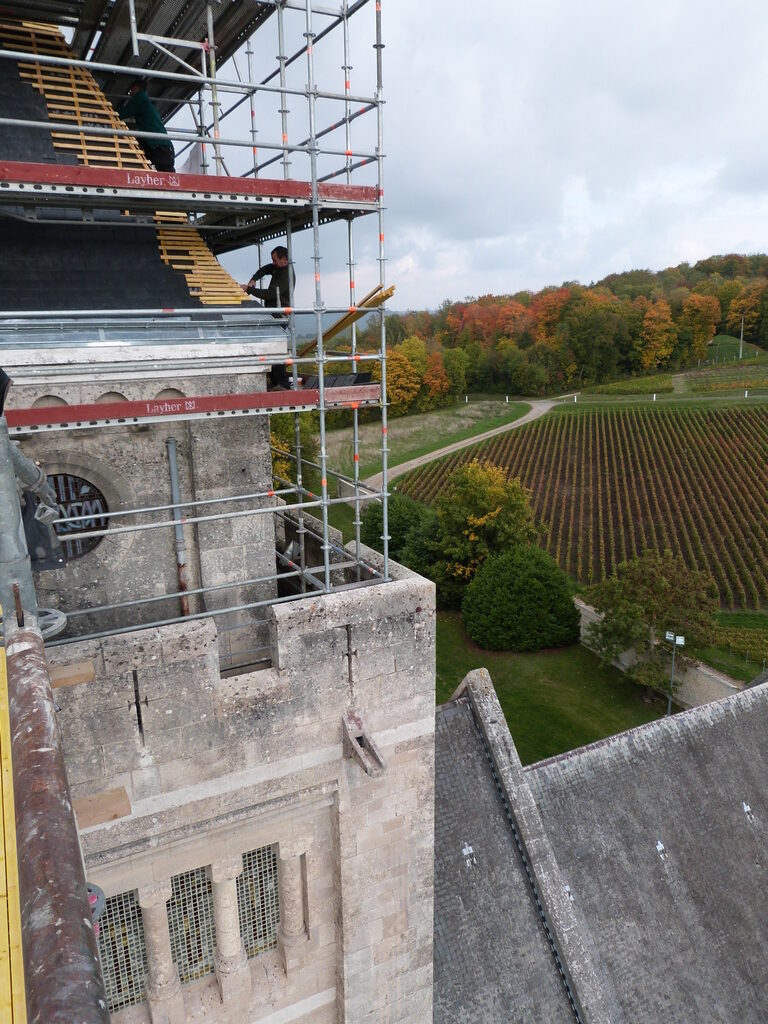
x=658 y=335
x=700 y=317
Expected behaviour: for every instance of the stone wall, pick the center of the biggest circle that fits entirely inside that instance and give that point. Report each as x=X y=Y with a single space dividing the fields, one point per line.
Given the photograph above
x=198 y=770
x=698 y=683
x=130 y=466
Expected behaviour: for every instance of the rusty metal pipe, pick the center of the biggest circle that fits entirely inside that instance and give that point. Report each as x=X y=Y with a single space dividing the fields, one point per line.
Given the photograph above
x=181 y=547
x=61 y=961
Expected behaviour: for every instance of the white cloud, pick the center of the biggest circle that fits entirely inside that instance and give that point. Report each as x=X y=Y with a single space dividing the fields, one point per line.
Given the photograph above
x=549 y=141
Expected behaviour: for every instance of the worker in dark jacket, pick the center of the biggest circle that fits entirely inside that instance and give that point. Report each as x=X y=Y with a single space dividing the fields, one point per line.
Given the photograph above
x=278 y=292
x=141 y=111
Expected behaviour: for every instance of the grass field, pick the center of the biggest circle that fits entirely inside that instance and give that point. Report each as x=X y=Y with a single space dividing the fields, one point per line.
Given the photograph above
x=725 y=348
x=553 y=700
x=721 y=371
x=610 y=482
x=411 y=436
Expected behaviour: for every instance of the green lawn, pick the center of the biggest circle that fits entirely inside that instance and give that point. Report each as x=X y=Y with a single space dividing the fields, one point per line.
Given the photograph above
x=725 y=347
x=737 y=666
x=554 y=700
x=411 y=436
x=745 y=664
x=342 y=516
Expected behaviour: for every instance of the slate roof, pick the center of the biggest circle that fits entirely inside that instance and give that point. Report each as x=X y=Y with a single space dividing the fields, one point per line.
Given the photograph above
x=661 y=834
x=658 y=838
x=54 y=266
x=490 y=952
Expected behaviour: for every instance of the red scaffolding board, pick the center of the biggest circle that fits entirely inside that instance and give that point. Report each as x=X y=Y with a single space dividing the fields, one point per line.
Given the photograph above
x=68 y=181
x=157 y=410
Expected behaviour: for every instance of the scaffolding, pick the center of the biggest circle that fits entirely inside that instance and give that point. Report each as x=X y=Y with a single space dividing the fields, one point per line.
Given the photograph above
x=266 y=156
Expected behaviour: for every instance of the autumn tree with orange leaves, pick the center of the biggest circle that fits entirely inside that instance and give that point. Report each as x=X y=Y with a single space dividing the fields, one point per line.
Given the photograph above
x=658 y=336
x=699 y=318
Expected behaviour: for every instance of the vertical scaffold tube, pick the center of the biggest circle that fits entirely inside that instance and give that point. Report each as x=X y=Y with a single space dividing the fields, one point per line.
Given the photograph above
x=252 y=106
x=379 y=46
x=181 y=547
x=214 y=91
x=301 y=531
x=309 y=35
x=201 y=115
x=15 y=566
x=347 y=69
x=283 y=95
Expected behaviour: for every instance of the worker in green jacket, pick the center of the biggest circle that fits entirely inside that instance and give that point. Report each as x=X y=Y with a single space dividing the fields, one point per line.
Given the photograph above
x=141 y=111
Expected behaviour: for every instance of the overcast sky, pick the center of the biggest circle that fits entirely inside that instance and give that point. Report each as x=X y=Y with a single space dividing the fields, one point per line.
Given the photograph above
x=533 y=142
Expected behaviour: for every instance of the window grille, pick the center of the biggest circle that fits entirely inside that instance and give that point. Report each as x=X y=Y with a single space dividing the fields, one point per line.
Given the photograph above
x=258 y=900
x=122 y=951
x=190 y=923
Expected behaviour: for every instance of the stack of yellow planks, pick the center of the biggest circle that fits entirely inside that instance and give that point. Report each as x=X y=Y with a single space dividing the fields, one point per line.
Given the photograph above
x=13 y=1004
x=182 y=248
x=71 y=96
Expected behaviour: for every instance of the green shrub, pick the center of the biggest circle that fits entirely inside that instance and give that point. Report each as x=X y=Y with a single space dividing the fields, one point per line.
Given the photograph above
x=404 y=515
x=520 y=601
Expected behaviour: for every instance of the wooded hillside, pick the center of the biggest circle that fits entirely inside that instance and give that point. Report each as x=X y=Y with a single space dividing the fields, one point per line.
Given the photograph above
x=533 y=343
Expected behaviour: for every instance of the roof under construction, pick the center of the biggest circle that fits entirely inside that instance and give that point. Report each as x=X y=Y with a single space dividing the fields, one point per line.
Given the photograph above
x=102 y=34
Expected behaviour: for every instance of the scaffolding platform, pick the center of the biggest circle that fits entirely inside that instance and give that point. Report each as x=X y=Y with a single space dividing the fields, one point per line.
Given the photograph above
x=63 y=185
x=165 y=410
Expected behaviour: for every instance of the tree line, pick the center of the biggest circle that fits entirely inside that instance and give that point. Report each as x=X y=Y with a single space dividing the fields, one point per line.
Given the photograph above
x=571 y=336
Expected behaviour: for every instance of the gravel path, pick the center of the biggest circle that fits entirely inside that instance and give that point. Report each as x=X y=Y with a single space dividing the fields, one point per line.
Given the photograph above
x=537 y=409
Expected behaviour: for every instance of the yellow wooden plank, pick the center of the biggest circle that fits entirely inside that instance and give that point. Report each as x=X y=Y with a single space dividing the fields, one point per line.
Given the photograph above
x=13 y=913
x=72 y=675
x=100 y=807
x=6 y=981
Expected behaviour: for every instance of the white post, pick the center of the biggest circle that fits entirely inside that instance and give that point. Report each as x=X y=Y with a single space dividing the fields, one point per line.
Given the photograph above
x=574 y=398
x=654 y=396
x=746 y=394
x=466 y=398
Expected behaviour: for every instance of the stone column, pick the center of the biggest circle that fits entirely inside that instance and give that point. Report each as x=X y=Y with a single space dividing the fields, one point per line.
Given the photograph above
x=230 y=961
x=166 y=1004
x=292 y=933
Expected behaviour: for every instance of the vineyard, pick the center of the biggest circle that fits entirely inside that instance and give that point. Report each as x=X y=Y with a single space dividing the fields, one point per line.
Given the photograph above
x=609 y=483
x=729 y=378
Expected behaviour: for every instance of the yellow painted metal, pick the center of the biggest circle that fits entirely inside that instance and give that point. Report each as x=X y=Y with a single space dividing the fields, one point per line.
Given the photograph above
x=13 y=1003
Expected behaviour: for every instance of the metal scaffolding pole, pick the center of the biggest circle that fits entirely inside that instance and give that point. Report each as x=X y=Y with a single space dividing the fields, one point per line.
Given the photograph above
x=316 y=258
x=347 y=71
x=17 y=591
x=385 y=538
x=211 y=86
x=214 y=93
x=283 y=88
x=251 y=104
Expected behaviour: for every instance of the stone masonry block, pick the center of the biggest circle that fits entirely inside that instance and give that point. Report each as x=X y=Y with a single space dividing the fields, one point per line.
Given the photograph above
x=104 y=693
x=117 y=727
x=131 y=651
x=187 y=641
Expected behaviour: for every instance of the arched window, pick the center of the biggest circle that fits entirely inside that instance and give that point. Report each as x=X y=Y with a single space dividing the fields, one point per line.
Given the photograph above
x=79 y=497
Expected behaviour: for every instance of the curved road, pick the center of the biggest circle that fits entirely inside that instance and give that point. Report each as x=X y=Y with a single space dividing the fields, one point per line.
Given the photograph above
x=537 y=409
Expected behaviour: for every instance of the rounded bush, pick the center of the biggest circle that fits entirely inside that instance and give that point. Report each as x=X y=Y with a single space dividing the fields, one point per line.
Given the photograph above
x=519 y=601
